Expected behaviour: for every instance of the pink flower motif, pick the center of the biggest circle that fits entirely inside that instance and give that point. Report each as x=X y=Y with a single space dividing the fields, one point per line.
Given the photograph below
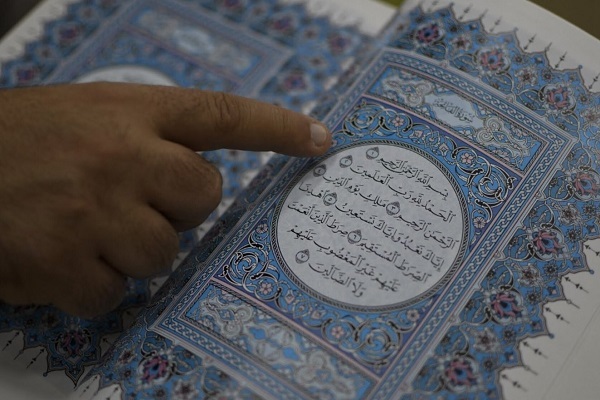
x=337 y=332
x=26 y=73
x=265 y=288
x=467 y=158
x=295 y=81
x=479 y=222
x=504 y=304
x=155 y=367
x=493 y=60
x=459 y=372
x=397 y=121
x=339 y=43
x=73 y=342
x=546 y=242
x=558 y=97
x=262 y=228
x=429 y=33
x=69 y=34
x=586 y=184
x=283 y=23
x=412 y=315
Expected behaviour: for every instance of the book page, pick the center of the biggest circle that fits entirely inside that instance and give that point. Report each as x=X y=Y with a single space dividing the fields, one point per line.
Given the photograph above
x=286 y=52
x=444 y=247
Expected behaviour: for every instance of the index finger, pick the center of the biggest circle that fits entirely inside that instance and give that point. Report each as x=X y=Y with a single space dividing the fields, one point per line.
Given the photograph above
x=202 y=120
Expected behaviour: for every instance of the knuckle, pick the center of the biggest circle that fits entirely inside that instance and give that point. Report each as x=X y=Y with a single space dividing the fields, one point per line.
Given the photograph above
x=212 y=187
x=227 y=109
x=73 y=199
x=209 y=181
x=185 y=168
x=161 y=246
x=198 y=184
x=99 y=297
x=110 y=294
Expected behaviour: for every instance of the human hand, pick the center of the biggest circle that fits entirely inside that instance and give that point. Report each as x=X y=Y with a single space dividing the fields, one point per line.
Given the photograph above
x=95 y=180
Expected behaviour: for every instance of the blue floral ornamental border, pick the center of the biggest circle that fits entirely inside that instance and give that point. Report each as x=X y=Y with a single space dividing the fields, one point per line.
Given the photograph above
x=507 y=306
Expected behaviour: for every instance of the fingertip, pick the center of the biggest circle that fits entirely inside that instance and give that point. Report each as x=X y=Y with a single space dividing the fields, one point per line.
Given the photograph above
x=320 y=137
x=318 y=134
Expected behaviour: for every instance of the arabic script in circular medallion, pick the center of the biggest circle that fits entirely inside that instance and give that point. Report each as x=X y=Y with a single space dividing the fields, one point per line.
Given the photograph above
x=376 y=225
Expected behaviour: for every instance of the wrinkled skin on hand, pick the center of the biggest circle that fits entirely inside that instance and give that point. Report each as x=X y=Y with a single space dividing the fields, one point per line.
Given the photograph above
x=96 y=180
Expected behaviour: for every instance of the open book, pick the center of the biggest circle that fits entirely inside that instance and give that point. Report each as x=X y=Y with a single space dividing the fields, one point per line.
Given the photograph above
x=443 y=248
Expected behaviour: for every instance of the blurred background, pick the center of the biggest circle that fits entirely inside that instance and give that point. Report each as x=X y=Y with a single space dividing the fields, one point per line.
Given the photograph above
x=583 y=13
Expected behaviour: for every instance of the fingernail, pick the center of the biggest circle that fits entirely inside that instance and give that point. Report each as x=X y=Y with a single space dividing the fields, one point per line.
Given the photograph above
x=318 y=134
